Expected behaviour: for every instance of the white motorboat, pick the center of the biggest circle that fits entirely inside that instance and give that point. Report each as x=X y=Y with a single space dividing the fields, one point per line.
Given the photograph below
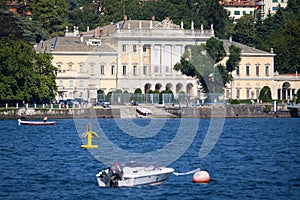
x=132 y=174
x=143 y=111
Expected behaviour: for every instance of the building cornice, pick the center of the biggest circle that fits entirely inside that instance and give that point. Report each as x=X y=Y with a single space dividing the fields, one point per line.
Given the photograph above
x=81 y=53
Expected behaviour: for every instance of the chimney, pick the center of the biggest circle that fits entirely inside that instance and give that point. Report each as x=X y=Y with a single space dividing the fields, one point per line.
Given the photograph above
x=87 y=29
x=125 y=18
x=230 y=39
x=272 y=50
x=153 y=18
x=81 y=37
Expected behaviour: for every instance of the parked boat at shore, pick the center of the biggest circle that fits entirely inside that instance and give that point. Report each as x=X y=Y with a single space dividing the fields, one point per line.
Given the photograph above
x=36 y=123
x=143 y=111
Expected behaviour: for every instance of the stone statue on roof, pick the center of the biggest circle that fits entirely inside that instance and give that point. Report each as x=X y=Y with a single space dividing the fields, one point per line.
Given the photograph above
x=167 y=23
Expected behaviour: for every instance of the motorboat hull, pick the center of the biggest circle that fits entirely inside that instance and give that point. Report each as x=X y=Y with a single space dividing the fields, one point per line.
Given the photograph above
x=133 y=176
x=135 y=181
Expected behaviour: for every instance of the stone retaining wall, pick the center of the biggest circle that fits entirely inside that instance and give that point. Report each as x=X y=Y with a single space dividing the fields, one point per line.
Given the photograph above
x=62 y=114
x=227 y=111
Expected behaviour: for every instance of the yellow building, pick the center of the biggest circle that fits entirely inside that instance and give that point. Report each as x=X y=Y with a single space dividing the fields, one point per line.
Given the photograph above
x=141 y=54
x=255 y=71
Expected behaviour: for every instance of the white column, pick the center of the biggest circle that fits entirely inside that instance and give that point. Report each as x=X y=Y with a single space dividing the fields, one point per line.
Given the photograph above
x=162 y=47
x=129 y=67
x=118 y=63
x=172 y=59
x=151 y=59
x=141 y=60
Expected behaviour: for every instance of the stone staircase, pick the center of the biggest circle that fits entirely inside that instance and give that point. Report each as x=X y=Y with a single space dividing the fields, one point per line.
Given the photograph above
x=128 y=111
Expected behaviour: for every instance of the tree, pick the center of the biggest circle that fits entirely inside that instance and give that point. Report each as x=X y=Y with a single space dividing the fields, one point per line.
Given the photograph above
x=201 y=62
x=208 y=12
x=244 y=30
x=286 y=45
x=265 y=94
x=17 y=27
x=215 y=49
x=24 y=74
x=84 y=16
x=298 y=96
x=52 y=13
x=234 y=58
x=138 y=91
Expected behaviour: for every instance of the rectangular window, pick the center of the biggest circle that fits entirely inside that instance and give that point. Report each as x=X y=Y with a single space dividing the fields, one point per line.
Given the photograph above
x=59 y=68
x=81 y=83
x=92 y=69
x=71 y=83
x=134 y=48
x=124 y=48
x=102 y=69
x=167 y=69
x=80 y=67
x=236 y=12
x=274 y=1
x=267 y=70
x=237 y=70
x=144 y=48
x=247 y=70
x=247 y=93
x=70 y=67
x=251 y=12
x=257 y=93
x=61 y=83
x=257 y=70
x=244 y=12
x=227 y=94
x=134 y=70
x=238 y=93
x=274 y=8
x=156 y=69
x=145 y=70
x=124 y=69
x=112 y=70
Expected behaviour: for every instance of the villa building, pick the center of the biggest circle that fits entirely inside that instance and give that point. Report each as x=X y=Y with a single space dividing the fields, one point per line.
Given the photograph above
x=133 y=54
x=258 y=8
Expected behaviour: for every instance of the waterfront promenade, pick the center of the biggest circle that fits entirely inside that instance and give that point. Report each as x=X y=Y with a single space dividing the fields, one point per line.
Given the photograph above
x=158 y=111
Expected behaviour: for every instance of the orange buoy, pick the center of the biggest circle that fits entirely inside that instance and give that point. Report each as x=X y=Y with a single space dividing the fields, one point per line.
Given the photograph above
x=201 y=177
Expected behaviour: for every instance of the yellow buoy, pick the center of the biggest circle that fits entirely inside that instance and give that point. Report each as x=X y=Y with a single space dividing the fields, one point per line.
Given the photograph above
x=89 y=134
x=201 y=177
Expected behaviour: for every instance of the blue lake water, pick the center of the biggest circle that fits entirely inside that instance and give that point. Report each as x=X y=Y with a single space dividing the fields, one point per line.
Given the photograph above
x=252 y=159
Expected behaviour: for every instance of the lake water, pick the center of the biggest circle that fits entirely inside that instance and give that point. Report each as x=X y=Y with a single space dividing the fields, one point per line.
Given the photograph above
x=252 y=158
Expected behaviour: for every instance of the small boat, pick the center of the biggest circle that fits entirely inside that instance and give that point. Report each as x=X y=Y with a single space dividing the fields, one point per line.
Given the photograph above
x=36 y=123
x=143 y=111
x=132 y=174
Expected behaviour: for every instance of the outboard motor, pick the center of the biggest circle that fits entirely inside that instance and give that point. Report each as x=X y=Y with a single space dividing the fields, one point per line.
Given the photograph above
x=115 y=173
x=105 y=178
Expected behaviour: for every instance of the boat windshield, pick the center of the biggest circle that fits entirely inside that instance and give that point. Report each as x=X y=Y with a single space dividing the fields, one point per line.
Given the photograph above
x=140 y=164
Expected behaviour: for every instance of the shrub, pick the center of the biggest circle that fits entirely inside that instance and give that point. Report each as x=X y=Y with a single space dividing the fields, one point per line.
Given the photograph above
x=265 y=94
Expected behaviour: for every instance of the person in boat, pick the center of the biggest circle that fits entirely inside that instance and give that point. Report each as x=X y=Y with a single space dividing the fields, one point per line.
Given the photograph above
x=45 y=119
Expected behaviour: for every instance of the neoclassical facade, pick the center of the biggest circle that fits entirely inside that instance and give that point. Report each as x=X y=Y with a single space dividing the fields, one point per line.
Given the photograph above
x=133 y=54
x=123 y=56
